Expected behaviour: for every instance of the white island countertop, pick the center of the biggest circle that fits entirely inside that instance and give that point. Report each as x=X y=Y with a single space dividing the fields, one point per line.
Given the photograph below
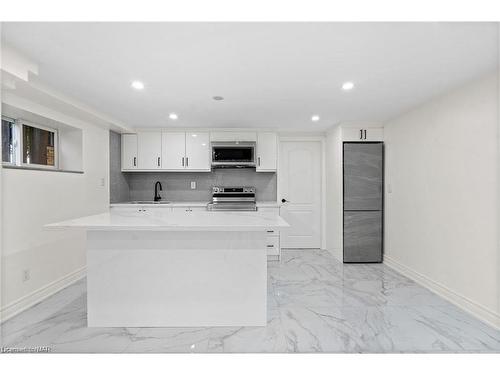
x=176 y=221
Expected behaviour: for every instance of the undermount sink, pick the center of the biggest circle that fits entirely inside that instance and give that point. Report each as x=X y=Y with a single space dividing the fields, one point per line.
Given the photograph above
x=150 y=202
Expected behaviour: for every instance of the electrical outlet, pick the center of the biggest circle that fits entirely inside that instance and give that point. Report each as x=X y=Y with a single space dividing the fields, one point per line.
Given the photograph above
x=193 y=184
x=26 y=275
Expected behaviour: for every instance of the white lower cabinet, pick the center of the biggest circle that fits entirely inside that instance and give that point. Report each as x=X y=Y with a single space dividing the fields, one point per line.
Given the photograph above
x=273 y=238
x=188 y=208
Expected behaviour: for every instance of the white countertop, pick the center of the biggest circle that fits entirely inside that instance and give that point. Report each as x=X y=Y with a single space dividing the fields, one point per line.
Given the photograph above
x=176 y=221
x=185 y=204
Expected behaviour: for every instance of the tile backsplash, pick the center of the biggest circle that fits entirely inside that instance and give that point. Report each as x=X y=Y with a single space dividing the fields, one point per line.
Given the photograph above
x=177 y=185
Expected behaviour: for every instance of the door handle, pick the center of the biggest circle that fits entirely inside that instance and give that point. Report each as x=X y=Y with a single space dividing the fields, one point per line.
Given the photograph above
x=158 y=161
x=187 y=161
x=365 y=133
x=360 y=133
x=135 y=161
x=283 y=200
x=183 y=162
x=258 y=161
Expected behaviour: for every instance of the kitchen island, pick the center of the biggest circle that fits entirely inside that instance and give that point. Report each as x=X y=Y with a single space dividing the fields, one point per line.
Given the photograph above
x=176 y=269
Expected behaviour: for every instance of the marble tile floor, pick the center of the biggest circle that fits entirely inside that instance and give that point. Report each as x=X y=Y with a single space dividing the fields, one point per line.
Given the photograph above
x=315 y=304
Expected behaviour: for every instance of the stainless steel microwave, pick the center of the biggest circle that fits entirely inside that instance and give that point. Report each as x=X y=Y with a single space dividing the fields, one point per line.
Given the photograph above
x=233 y=154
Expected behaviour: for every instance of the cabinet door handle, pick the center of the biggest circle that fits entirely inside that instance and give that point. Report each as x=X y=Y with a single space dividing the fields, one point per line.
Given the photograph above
x=360 y=133
x=158 y=161
x=258 y=161
x=187 y=161
x=365 y=133
x=270 y=245
x=183 y=162
x=135 y=161
x=270 y=231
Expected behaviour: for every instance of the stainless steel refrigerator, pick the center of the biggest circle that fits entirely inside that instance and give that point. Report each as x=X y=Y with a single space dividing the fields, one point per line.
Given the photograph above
x=363 y=178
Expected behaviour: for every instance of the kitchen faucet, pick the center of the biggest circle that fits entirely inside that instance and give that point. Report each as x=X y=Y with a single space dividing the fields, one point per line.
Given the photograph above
x=157 y=196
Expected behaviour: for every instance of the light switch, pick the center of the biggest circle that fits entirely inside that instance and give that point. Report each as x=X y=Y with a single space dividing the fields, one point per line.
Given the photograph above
x=193 y=184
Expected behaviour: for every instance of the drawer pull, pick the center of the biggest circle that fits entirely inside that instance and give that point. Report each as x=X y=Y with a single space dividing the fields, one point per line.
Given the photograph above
x=270 y=231
x=270 y=245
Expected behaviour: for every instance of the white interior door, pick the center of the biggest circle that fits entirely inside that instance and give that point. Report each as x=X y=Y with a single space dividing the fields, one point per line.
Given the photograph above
x=299 y=174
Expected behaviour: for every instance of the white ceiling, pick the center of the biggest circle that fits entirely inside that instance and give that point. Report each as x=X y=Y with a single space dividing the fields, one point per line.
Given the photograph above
x=270 y=74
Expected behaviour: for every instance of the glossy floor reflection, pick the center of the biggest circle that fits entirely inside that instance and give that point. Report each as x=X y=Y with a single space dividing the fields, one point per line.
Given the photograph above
x=315 y=304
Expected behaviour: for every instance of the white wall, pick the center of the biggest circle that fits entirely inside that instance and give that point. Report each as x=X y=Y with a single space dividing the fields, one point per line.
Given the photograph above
x=441 y=217
x=33 y=198
x=334 y=192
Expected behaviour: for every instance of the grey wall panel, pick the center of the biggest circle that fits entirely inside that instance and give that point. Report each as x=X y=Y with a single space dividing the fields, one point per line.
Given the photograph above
x=362 y=236
x=363 y=176
x=118 y=185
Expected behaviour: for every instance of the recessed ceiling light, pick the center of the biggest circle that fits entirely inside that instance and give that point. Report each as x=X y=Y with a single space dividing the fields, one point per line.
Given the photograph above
x=173 y=116
x=347 y=86
x=138 y=85
x=315 y=118
x=218 y=98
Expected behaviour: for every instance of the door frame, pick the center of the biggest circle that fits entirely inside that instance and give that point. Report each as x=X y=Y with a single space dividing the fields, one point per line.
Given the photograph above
x=308 y=138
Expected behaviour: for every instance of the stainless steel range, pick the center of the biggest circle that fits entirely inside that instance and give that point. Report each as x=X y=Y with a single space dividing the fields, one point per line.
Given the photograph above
x=233 y=198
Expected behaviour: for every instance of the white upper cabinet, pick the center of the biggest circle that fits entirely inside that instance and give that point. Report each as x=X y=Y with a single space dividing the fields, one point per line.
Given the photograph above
x=129 y=151
x=198 y=151
x=149 y=150
x=362 y=134
x=190 y=151
x=173 y=146
x=267 y=151
x=186 y=151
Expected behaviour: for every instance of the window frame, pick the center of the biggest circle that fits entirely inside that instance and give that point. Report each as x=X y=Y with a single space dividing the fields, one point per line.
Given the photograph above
x=16 y=138
x=21 y=145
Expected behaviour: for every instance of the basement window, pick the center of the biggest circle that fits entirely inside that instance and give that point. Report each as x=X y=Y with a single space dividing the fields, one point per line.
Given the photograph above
x=31 y=141
x=39 y=146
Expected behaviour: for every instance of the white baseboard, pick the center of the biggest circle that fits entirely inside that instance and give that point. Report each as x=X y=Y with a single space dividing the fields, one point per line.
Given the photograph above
x=337 y=254
x=481 y=312
x=25 y=302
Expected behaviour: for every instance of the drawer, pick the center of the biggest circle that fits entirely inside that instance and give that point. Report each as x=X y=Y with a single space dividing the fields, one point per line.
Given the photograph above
x=273 y=245
x=272 y=233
